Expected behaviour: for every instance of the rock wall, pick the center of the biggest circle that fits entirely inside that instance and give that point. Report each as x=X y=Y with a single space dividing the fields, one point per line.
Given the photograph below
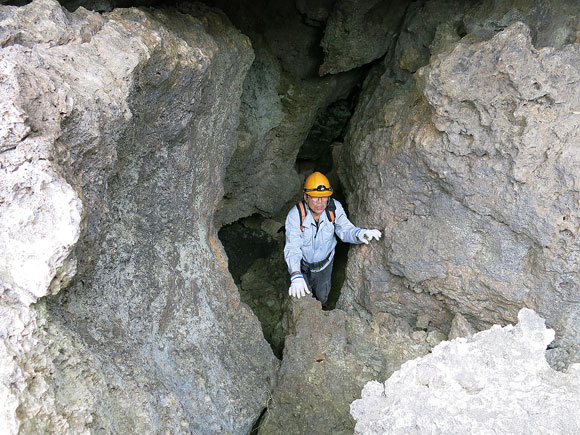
x=359 y=32
x=498 y=381
x=470 y=168
x=116 y=132
x=118 y=312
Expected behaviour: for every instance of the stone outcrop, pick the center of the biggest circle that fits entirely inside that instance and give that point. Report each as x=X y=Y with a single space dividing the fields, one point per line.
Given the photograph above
x=359 y=32
x=470 y=169
x=498 y=381
x=116 y=130
x=328 y=357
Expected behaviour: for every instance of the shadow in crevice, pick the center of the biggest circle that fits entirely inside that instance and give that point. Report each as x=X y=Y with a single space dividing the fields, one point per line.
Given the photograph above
x=254 y=248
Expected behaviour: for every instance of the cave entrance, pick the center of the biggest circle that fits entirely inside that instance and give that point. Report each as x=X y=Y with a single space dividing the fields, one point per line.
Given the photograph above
x=254 y=247
x=320 y=152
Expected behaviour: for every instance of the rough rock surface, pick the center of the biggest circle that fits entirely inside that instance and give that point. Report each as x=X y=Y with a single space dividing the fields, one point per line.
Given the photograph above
x=473 y=178
x=358 y=32
x=328 y=357
x=498 y=381
x=116 y=130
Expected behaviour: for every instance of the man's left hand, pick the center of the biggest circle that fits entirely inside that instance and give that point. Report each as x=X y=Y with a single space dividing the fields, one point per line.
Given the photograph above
x=366 y=236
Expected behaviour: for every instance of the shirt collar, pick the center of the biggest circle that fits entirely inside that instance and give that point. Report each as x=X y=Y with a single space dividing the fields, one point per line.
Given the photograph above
x=309 y=219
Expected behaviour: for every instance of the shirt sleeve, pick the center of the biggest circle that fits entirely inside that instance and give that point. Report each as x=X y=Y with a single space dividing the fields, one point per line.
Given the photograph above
x=344 y=228
x=293 y=246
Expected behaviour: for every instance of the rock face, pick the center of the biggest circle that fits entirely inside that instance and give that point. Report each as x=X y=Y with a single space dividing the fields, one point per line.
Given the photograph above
x=116 y=130
x=473 y=175
x=498 y=381
x=127 y=137
x=328 y=356
x=358 y=32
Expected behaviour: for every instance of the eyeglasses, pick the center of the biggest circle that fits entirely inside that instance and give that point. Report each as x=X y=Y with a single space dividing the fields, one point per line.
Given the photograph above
x=319 y=188
x=318 y=198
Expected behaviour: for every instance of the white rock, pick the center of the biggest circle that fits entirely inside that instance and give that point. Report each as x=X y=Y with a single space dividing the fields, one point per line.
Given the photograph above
x=497 y=381
x=39 y=224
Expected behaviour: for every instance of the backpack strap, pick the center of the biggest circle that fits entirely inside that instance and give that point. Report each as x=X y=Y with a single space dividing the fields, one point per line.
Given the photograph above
x=330 y=210
x=302 y=213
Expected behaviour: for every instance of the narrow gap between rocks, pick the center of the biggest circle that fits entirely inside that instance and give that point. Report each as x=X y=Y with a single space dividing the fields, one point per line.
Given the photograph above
x=254 y=245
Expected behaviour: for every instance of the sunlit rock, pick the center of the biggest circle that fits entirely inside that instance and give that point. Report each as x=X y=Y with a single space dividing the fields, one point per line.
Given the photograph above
x=497 y=381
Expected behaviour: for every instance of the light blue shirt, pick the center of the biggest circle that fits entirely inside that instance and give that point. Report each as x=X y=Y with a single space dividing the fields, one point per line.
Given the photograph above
x=314 y=244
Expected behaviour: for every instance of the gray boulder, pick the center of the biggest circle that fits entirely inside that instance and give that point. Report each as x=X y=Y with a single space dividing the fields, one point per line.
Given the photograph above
x=358 y=32
x=470 y=172
x=328 y=357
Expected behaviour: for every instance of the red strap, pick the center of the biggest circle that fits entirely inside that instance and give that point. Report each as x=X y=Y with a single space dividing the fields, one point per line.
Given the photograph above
x=302 y=211
x=331 y=215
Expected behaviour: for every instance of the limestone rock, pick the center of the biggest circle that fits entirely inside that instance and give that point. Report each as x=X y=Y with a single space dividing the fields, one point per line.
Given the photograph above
x=472 y=181
x=116 y=130
x=328 y=356
x=553 y=22
x=498 y=381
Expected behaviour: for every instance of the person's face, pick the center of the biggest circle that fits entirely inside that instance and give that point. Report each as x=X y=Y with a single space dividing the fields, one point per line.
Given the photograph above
x=315 y=203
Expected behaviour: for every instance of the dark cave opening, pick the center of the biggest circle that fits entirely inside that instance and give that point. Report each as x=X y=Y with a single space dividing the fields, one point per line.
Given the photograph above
x=254 y=247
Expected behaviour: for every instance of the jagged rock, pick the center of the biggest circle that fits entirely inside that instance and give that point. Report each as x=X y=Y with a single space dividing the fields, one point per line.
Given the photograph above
x=423 y=320
x=134 y=114
x=435 y=337
x=358 y=32
x=328 y=356
x=472 y=182
x=460 y=327
x=554 y=23
x=497 y=381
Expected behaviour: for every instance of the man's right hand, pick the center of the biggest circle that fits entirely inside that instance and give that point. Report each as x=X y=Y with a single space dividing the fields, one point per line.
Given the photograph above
x=298 y=288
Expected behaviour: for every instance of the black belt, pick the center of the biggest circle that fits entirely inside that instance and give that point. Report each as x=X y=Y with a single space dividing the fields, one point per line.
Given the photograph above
x=317 y=264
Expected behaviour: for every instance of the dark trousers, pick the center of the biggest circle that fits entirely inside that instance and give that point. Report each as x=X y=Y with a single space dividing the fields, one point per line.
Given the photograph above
x=318 y=282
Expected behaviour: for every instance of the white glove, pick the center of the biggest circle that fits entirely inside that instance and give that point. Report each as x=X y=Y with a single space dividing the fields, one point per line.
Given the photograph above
x=298 y=288
x=366 y=236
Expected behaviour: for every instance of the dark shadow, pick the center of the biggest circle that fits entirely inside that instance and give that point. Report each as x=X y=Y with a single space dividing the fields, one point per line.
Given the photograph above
x=257 y=266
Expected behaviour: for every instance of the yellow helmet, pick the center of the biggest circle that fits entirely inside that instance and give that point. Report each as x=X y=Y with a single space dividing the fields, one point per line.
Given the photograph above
x=317 y=185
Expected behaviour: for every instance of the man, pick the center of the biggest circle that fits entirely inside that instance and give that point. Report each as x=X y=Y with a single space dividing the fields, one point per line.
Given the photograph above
x=310 y=238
